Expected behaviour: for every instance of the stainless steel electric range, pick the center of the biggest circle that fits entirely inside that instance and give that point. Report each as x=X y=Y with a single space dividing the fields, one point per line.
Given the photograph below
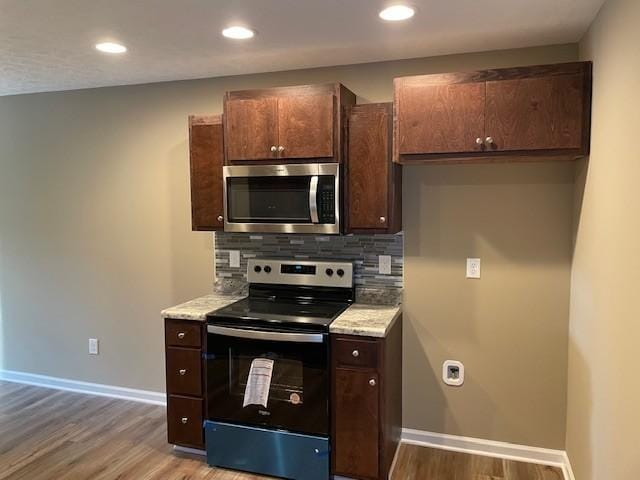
x=267 y=369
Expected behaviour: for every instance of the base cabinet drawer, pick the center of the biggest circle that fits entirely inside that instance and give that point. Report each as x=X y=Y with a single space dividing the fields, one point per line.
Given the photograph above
x=184 y=421
x=184 y=371
x=183 y=333
x=350 y=352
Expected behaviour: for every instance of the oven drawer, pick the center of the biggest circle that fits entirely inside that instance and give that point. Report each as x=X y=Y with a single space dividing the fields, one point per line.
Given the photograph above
x=349 y=352
x=184 y=371
x=184 y=421
x=183 y=333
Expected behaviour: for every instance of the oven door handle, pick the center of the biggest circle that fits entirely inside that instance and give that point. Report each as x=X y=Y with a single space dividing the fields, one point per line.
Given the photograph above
x=313 y=199
x=266 y=335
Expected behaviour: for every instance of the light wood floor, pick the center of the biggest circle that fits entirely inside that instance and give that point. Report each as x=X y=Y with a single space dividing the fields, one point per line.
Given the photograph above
x=48 y=434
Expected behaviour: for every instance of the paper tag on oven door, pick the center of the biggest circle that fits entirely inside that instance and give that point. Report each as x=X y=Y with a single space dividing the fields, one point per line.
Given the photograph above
x=258 y=383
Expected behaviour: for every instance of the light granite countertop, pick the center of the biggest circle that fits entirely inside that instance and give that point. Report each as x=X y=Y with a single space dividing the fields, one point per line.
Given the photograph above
x=366 y=320
x=198 y=308
x=359 y=319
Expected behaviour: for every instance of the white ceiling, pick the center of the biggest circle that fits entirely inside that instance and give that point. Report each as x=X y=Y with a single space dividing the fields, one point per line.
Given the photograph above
x=48 y=45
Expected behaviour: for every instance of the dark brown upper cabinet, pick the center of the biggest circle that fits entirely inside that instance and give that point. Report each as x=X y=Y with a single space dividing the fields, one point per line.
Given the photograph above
x=439 y=118
x=286 y=124
x=374 y=182
x=513 y=113
x=206 y=155
x=251 y=128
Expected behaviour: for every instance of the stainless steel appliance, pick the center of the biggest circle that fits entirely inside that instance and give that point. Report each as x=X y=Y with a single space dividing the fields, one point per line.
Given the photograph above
x=267 y=369
x=301 y=198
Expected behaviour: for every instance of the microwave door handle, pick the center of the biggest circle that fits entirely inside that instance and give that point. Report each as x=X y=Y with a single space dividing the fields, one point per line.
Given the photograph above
x=266 y=335
x=313 y=199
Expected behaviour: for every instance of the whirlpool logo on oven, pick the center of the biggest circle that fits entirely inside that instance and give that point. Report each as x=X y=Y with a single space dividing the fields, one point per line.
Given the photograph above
x=264 y=413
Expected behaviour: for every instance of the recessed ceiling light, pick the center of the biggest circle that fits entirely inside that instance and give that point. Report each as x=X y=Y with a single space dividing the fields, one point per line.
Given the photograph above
x=238 y=33
x=110 y=47
x=396 y=13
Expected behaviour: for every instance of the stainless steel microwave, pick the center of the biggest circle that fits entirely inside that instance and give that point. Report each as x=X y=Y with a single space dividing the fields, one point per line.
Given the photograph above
x=300 y=198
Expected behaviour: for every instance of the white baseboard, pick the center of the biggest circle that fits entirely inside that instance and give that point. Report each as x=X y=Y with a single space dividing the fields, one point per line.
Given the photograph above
x=567 y=470
x=124 y=393
x=490 y=448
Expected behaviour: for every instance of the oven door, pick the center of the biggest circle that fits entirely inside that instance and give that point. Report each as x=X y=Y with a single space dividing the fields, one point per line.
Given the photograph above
x=268 y=378
x=282 y=198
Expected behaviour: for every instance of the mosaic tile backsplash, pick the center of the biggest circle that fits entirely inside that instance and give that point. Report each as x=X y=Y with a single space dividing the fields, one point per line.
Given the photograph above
x=362 y=250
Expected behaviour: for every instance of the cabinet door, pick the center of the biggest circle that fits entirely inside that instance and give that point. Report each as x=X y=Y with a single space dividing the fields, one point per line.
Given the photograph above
x=206 y=155
x=369 y=176
x=251 y=128
x=439 y=118
x=305 y=126
x=356 y=414
x=543 y=113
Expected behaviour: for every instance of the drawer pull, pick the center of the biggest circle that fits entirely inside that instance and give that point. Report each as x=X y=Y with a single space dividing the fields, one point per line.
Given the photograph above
x=355 y=353
x=372 y=382
x=182 y=371
x=181 y=335
x=184 y=420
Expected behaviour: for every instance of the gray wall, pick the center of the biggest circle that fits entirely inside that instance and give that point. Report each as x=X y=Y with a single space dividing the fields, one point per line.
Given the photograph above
x=95 y=240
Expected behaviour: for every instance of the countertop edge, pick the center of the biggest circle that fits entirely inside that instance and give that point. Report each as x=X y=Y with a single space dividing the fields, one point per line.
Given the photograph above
x=197 y=309
x=365 y=331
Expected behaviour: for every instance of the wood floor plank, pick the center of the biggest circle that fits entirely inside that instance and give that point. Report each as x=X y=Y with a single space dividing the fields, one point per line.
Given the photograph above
x=48 y=434
x=530 y=471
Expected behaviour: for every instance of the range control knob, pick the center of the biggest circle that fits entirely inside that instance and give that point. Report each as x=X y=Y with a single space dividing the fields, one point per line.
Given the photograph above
x=267 y=269
x=257 y=269
x=329 y=271
x=340 y=272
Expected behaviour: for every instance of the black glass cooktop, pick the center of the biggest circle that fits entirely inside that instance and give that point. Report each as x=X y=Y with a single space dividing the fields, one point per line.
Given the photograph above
x=278 y=311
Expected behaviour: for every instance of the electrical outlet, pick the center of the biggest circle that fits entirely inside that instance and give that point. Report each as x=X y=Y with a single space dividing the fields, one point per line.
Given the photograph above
x=384 y=264
x=453 y=373
x=234 y=258
x=473 y=268
x=93 y=346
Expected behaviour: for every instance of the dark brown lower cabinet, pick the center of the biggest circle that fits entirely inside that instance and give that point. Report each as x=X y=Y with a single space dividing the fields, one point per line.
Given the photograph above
x=366 y=404
x=185 y=403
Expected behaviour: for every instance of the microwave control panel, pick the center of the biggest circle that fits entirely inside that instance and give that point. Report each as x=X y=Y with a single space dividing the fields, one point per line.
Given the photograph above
x=326 y=199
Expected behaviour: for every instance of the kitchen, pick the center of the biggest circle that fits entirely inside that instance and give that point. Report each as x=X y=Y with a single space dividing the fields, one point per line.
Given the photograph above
x=462 y=239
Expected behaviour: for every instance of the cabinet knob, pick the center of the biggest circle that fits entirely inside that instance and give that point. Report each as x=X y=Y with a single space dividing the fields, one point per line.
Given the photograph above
x=184 y=420
x=182 y=371
x=220 y=218
x=479 y=141
x=372 y=382
x=274 y=149
x=181 y=335
x=281 y=148
x=383 y=219
x=355 y=353
x=489 y=140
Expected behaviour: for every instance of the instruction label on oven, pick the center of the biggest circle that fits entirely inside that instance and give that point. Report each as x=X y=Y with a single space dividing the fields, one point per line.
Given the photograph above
x=259 y=382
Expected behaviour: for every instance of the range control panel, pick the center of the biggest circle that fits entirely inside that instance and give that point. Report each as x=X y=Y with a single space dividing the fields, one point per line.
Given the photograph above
x=294 y=272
